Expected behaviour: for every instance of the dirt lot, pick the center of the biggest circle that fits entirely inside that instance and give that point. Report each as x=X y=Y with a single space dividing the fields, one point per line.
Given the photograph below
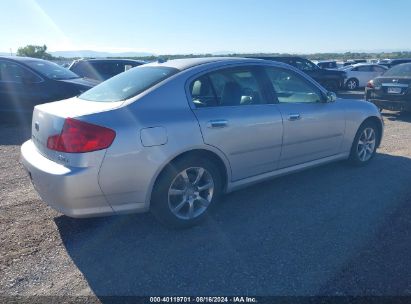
x=332 y=230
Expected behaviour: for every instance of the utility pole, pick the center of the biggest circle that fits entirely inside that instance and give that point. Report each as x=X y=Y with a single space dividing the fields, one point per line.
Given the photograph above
x=11 y=53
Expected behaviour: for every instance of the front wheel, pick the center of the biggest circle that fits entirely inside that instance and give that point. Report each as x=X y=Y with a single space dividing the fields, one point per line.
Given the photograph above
x=185 y=191
x=365 y=144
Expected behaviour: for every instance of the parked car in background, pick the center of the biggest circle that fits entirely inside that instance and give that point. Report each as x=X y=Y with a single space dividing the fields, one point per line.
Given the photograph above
x=328 y=64
x=354 y=61
x=391 y=91
x=172 y=137
x=389 y=63
x=102 y=69
x=358 y=75
x=331 y=79
x=26 y=82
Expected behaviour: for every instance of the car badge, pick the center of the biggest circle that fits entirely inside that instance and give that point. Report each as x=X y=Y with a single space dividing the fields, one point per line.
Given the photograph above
x=395 y=80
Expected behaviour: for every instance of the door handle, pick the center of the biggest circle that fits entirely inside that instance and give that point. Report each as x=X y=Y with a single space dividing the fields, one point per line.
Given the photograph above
x=293 y=117
x=218 y=123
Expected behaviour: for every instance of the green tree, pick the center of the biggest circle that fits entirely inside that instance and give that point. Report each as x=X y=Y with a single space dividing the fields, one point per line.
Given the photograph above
x=34 y=51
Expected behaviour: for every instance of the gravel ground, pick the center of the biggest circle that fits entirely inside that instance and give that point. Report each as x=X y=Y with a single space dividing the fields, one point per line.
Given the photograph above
x=332 y=230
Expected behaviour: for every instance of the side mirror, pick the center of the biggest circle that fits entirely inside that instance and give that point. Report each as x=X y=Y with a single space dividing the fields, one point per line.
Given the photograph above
x=331 y=97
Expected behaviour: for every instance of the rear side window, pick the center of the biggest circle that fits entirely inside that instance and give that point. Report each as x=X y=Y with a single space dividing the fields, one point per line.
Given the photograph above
x=366 y=68
x=227 y=87
x=128 y=84
x=378 y=69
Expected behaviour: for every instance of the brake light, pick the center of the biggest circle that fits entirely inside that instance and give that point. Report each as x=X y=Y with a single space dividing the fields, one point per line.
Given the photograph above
x=79 y=137
x=370 y=84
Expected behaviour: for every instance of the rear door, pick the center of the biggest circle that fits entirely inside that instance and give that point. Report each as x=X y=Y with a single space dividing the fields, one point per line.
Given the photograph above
x=378 y=70
x=364 y=74
x=313 y=129
x=235 y=116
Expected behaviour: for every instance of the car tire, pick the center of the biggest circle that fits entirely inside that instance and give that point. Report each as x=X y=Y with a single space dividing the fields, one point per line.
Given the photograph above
x=177 y=199
x=351 y=84
x=365 y=144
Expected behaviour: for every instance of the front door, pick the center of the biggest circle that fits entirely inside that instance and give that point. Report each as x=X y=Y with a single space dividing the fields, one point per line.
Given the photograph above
x=235 y=116
x=19 y=87
x=313 y=129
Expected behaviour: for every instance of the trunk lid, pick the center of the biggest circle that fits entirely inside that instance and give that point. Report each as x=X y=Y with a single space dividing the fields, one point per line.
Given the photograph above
x=392 y=88
x=48 y=119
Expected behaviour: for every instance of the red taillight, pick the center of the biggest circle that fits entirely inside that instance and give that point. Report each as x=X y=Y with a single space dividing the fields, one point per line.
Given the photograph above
x=370 y=84
x=79 y=137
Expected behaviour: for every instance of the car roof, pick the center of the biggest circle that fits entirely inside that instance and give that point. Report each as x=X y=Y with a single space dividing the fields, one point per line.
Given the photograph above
x=186 y=63
x=108 y=59
x=365 y=64
x=400 y=59
x=20 y=59
x=278 y=57
x=403 y=64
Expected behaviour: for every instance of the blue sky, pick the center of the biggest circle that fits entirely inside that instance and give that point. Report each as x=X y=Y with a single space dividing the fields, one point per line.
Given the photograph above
x=190 y=26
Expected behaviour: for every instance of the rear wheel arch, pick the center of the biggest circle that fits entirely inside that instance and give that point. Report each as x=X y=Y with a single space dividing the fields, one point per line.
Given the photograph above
x=197 y=153
x=203 y=153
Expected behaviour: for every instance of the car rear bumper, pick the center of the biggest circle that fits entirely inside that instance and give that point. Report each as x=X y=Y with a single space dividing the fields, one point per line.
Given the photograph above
x=396 y=105
x=73 y=191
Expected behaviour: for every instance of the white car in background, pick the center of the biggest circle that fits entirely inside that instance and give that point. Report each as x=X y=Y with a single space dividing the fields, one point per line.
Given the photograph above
x=358 y=75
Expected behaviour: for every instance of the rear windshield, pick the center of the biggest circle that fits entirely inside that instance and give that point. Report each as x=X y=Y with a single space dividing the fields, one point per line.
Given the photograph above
x=128 y=84
x=399 y=71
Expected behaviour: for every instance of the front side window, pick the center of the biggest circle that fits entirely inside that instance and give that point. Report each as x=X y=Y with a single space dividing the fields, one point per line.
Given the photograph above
x=292 y=88
x=128 y=84
x=227 y=87
x=11 y=72
x=305 y=65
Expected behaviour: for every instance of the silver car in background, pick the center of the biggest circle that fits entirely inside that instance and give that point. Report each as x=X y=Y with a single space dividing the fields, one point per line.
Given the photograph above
x=172 y=137
x=358 y=75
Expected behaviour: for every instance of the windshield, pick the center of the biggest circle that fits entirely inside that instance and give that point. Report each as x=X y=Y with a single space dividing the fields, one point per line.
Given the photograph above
x=402 y=70
x=51 y=70
x=128 y=84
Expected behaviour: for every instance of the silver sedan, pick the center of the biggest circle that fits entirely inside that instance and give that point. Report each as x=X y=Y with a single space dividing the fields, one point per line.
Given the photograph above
x=172 y=137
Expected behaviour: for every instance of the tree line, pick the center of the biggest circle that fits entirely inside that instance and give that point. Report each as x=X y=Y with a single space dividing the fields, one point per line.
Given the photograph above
x=37 y=51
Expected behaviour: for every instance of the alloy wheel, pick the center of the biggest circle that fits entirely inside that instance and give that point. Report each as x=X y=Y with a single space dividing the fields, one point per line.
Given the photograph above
x=190 y=193
x=366 y=144
x=351 y=84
